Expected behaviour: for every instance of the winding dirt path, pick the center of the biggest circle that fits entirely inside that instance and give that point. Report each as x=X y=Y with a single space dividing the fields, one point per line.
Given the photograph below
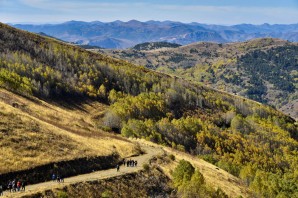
x=233 y=186
x=219 y=178
x=150 y=152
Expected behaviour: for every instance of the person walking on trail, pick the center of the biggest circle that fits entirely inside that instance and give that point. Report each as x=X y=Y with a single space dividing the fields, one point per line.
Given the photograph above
x=9 y=186
x=129 y=163
x=19 y=185
x=58 y=178
x=61 y=179
x=53 y=177
x=1 y=190
x=14 y=186
x=118 y=167
x=23 y=185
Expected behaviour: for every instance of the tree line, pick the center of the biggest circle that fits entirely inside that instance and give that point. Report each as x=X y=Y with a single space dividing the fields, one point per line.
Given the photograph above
x=250 y=140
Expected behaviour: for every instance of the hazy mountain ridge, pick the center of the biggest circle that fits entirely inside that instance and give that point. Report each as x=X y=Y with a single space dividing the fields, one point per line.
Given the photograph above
x=120 y=34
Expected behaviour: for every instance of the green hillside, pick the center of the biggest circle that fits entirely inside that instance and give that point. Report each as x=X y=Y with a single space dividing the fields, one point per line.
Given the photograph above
x=250 y=140
x=264 y=70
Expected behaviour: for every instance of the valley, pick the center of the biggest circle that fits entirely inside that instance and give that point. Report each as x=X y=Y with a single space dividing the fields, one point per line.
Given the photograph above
x=264 y=70
x=63 y=106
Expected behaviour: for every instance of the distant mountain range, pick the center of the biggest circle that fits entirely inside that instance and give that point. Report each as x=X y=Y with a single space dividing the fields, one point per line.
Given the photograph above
x=119 y=34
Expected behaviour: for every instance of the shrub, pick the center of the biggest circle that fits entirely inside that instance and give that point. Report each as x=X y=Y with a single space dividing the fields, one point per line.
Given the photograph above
x=172 y=157
x=62 y=194
x=106 y=194
x=146 y=167
x=182 y=172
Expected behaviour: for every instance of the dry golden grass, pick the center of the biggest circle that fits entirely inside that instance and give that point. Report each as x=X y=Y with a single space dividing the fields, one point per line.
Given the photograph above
x=214 y=176
x=35 y=132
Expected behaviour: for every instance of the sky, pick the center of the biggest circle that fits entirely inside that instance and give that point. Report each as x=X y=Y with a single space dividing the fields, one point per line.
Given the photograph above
x=225 y=12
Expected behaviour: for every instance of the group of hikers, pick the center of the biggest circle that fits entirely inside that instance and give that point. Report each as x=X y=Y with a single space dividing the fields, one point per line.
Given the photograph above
x=20 y=185
x=128 y=163
x=14 y=186
x=58 y=178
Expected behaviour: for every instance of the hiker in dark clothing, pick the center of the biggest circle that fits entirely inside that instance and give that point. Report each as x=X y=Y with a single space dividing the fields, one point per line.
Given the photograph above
x=117 y=167
x=23 y=185
x=136 y=163
x=58 y=178
x=123 y=162
x=1 y=190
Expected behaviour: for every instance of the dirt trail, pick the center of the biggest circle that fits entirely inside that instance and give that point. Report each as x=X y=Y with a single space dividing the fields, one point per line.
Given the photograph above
x=150 y=151
x=214 y=175
x=233 y=186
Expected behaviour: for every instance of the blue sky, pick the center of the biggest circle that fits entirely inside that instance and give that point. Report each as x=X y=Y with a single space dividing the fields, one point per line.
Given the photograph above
x=203 y=11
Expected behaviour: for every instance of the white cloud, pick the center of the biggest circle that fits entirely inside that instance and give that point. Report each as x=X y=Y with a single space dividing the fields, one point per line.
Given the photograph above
x=227 y=9
x=235 y=14
x=53 y=10
x=77 y=5
x=194 y=8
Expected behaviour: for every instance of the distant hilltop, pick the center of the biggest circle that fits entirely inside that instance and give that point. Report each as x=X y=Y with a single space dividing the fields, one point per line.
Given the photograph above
x=119 y=34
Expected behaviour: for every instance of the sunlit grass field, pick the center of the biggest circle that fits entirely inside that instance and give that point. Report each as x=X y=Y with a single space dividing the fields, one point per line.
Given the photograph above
x=33 y=132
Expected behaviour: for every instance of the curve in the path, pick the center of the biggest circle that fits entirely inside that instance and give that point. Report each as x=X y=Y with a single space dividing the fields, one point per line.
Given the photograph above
x=150 y=152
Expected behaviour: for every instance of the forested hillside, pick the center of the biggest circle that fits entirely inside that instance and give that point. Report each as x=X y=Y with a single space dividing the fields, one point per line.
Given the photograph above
x=250 y=140
x=265 y=70
x=155 y=45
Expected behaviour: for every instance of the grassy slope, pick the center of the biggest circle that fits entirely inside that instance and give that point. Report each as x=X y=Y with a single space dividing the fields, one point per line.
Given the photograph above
x=126 y=78
x=206 y=62
x=37 y=133
x=214 y=176
x=32 y=140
